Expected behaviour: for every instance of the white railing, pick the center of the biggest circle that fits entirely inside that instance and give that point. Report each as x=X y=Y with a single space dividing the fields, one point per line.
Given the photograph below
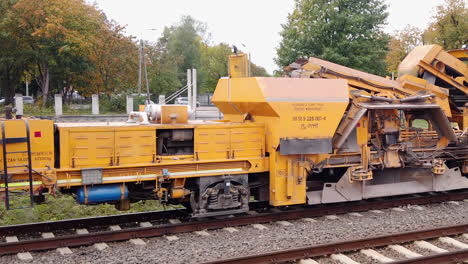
x=174 y=95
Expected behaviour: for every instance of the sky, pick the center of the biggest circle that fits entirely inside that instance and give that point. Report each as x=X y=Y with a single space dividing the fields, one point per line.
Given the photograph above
x=252 y=25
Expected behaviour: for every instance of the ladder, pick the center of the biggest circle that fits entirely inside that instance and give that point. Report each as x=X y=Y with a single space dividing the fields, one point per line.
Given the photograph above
x=6 y=180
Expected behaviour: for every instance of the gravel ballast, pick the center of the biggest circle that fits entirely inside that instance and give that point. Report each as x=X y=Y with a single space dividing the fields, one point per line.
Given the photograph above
x=193 y=248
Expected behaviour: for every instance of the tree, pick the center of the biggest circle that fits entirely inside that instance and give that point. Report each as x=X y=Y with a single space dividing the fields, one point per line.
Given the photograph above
x=184 y=43
x=12 y=62
x=258 y=71
x=114 y=58
x=400 y=44
x=53 y=32
x=347 y=32
x=178 y=49
x=214 y=61
x=66 y=46
x=449 y=27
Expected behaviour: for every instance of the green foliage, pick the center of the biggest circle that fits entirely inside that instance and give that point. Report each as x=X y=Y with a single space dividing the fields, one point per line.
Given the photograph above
x=214 y=62
x=137 y=101
x=347 y=32
x=65 y=207
x=114 y=104
x=178 y=49
x=401 y=43
x=449 y=27
x=184 y=46
x=63 y=45
x=258 y=71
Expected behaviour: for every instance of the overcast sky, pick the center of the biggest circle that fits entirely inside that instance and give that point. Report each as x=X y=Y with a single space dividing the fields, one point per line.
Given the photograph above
x=254 y=23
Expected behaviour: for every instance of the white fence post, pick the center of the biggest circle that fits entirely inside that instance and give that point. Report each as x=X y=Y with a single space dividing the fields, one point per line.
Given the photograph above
x=162 y=99
x=19 y=104
x=189 y=86
x=95 y=104
x=129 y=104
x=58 y=104
x=194 y=90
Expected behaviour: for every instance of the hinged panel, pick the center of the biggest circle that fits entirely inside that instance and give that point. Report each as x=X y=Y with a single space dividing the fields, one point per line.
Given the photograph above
x=247 y=142
x=212 y=143
x=135 y=146
x=91 y=148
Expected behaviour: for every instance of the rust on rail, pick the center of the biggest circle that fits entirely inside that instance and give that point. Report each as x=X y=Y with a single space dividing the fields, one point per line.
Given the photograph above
x=331 y=248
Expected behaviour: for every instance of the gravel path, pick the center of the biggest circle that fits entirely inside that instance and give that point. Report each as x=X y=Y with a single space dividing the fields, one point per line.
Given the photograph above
x=193 y=248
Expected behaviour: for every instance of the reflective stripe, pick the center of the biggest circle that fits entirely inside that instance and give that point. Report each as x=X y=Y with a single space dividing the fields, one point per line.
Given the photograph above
x=203 y=171
x=309 y=99
x=152 y=176
x=20 y=184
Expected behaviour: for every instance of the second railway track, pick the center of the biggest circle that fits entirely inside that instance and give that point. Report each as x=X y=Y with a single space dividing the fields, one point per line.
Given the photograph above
x=367 y=245
x=150 y=230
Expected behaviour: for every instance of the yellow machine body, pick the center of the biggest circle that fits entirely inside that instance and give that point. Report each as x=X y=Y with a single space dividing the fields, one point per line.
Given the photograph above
x=42 y=150
x=128 y=152
x=300 y=117
x=239 y=65
x=325 y=134
x=174 y=114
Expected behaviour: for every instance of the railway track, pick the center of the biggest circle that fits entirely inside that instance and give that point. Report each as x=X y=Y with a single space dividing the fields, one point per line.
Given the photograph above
x=367 y=247
x=20 y=238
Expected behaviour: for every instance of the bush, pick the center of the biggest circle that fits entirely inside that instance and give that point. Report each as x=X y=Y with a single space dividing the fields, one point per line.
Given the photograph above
x=113 y=104
x=137 y=101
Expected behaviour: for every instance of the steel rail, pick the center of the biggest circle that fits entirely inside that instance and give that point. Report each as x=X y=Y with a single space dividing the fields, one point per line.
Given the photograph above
x=167 y=229
x=352 y=245
x=50 y=226
x=90 y=222
x=448 y=257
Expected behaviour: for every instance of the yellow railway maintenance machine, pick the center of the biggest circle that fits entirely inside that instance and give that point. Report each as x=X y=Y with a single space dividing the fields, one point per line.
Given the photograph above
x=289 y=141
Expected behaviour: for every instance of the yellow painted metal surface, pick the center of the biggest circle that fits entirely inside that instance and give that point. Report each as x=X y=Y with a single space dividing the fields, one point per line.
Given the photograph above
x=461 y=54
x=135 y=146
x=290 y=108
x=433 y=59
x=408 y=84
x=82 y=147
x=239 y=65
x=42 y=144
x=226 y=142
x=247 y=142
x=212 y=143
x=174 y=114
x=127 y=153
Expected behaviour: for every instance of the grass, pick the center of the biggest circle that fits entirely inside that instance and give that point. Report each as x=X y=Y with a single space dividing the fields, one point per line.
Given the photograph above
x=420 y=123
x=36 y=110
x=64 y=206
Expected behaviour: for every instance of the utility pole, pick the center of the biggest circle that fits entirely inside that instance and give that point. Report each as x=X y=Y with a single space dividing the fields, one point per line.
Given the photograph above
x=147 y=83
x=141 y=67
x=140 y=56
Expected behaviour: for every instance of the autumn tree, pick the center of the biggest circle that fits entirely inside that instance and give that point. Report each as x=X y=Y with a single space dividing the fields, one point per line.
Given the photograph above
x=347 y=32
x=400 y=44
x=114 y=59
x=449 y=27
x=53 y=31
x=69 y=46
x=13 y=62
